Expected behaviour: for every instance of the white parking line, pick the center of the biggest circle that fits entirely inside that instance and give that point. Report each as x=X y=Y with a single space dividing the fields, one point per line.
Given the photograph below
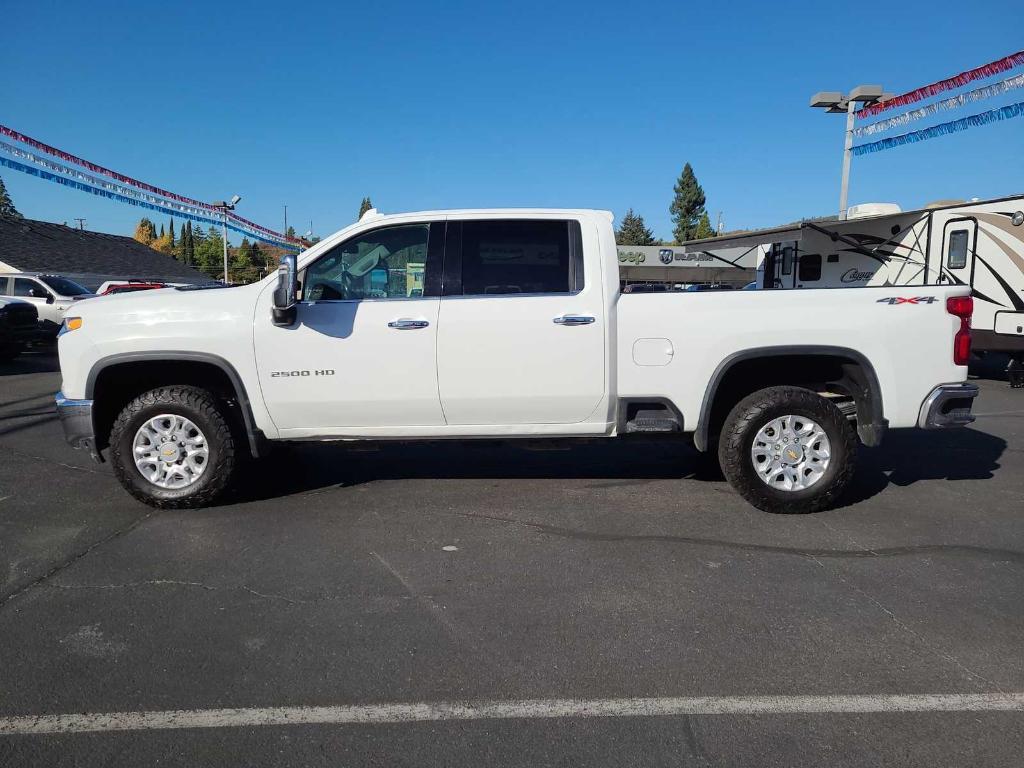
x=504 y=710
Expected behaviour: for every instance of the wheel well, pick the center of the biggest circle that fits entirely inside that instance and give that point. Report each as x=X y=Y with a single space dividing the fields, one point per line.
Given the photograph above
x=118 y=384
x=846 y=380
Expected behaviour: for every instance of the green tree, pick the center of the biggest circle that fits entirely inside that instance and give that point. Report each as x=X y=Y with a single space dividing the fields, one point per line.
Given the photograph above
x=241 y=258
x=633 y=231
x=170 y=234
x=6 y=204
x=704 y=228
x=210 y=253
x=162 y=233
x=364 y=207
x=290 y=233
x=687 y=205
x=145 y=232
x=187 y=246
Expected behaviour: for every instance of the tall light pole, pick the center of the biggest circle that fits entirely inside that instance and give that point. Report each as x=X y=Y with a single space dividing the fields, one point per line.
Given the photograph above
x=224 y=206
x=834 y=101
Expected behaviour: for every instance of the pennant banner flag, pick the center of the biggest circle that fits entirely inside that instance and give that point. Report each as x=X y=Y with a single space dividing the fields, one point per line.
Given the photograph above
x=1004 y=64
x=51 y=165
x=109 y=194
x=269 y=235
x=69 y=158
x=1009 y=84
x=955 y=126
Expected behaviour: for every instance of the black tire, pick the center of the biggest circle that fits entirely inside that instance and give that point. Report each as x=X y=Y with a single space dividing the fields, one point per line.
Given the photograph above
x=204 y=410
x=754 y=412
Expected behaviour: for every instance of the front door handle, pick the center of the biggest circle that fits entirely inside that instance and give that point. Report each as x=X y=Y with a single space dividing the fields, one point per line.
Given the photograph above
x=407 y=324
x=573 y=320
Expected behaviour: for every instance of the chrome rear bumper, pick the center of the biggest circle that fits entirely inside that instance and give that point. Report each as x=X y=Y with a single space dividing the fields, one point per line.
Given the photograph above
x=948 y=405
x=76 y=419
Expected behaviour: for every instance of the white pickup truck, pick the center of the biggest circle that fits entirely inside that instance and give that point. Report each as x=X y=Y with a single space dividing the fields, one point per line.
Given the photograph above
x=508 y=324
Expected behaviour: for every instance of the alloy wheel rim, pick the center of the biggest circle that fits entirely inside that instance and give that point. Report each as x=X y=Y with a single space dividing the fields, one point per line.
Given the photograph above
x=170 y=451
x=791 y=453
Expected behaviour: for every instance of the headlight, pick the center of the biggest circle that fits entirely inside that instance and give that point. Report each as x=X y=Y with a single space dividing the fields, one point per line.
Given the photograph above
x=70 y=324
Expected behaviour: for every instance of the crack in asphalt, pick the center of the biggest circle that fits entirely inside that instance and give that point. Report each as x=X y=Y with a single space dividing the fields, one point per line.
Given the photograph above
x=806 y=552
x=72 y=559
x=23 y=455
x=218 y=588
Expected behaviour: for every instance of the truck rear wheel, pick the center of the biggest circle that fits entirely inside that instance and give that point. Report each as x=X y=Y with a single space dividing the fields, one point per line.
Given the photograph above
x=172 y=447
x=788 y=450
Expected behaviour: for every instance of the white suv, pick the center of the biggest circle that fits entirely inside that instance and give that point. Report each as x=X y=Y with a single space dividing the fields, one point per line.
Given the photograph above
x=51 y=295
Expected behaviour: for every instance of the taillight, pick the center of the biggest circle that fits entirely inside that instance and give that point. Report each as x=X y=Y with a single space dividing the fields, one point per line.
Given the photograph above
x=962 y=307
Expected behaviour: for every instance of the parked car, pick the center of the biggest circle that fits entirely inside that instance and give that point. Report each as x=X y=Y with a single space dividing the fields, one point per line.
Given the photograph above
x=18 y=326
x=52 y=296
x=112 y=287
x=176 y=386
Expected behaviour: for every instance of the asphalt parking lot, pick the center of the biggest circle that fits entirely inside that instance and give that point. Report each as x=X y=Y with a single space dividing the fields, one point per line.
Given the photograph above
x=433 y=575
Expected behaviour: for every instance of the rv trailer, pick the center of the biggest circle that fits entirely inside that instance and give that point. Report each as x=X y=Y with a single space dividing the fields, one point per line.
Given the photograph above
x=977 y=243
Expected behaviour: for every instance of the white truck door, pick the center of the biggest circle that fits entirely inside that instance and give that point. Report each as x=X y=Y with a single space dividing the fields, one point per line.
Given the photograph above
x=521 y=336
x=362 y=352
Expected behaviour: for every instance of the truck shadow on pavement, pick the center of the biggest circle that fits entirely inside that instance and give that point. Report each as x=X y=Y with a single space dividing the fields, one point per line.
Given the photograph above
x=906 y=457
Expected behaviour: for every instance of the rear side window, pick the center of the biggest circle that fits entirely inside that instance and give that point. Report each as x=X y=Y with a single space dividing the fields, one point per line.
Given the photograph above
x=956 y=257
x=810 y=267
x=520 y=257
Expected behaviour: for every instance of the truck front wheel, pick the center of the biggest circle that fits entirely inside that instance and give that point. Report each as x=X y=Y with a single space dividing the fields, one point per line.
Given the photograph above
x=788 y=450
x=172 y=447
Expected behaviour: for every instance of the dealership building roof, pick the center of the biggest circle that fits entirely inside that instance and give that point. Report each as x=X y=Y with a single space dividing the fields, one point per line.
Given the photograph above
x=89 y=258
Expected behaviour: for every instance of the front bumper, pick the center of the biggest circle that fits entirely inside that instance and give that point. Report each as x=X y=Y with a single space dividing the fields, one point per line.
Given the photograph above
x=948 y=405
x=76 y=419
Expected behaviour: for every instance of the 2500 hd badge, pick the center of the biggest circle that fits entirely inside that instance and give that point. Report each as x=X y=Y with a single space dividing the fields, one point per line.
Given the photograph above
x=321 y=372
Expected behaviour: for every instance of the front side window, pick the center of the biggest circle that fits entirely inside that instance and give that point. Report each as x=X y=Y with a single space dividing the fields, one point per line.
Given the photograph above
x=956 y=257
x=386 y=263
x=26 y=288
x=513 y=257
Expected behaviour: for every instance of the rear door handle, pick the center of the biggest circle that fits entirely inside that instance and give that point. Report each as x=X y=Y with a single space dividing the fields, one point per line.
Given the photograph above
x=407 y=324
x=573 y=320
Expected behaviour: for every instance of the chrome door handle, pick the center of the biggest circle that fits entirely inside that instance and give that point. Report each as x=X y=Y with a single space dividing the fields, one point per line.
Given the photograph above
x=405 y=324
x=573 y=320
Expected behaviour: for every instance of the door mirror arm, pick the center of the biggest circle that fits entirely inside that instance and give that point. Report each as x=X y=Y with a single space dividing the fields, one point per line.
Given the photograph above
x=285 y=310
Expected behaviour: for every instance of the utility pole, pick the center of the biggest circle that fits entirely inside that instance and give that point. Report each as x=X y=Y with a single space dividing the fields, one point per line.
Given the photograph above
x=224 y=207
x=286 y=221
x=718 y=226
x=81 y=224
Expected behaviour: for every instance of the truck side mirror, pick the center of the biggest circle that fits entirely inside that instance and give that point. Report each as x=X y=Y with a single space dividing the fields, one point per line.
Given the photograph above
x=285 y=294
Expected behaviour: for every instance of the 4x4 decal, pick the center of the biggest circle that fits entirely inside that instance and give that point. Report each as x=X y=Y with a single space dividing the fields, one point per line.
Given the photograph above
x=908 y=300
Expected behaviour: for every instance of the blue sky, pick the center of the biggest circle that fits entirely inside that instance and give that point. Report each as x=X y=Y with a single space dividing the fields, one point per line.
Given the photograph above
x=424 y=105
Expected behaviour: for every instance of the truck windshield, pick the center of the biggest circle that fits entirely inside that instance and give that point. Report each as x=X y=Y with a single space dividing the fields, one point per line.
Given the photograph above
x=64 y=287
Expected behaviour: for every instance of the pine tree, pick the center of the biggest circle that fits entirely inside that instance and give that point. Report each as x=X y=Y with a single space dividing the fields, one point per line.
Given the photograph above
x=290 y=234
x=170 y=233
x=188 y=246
x=145 y=232
x=704 y=228
x=162 y=233
x=364 y=206
x=6 y=204
x=633 y=231
x=687 y=205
